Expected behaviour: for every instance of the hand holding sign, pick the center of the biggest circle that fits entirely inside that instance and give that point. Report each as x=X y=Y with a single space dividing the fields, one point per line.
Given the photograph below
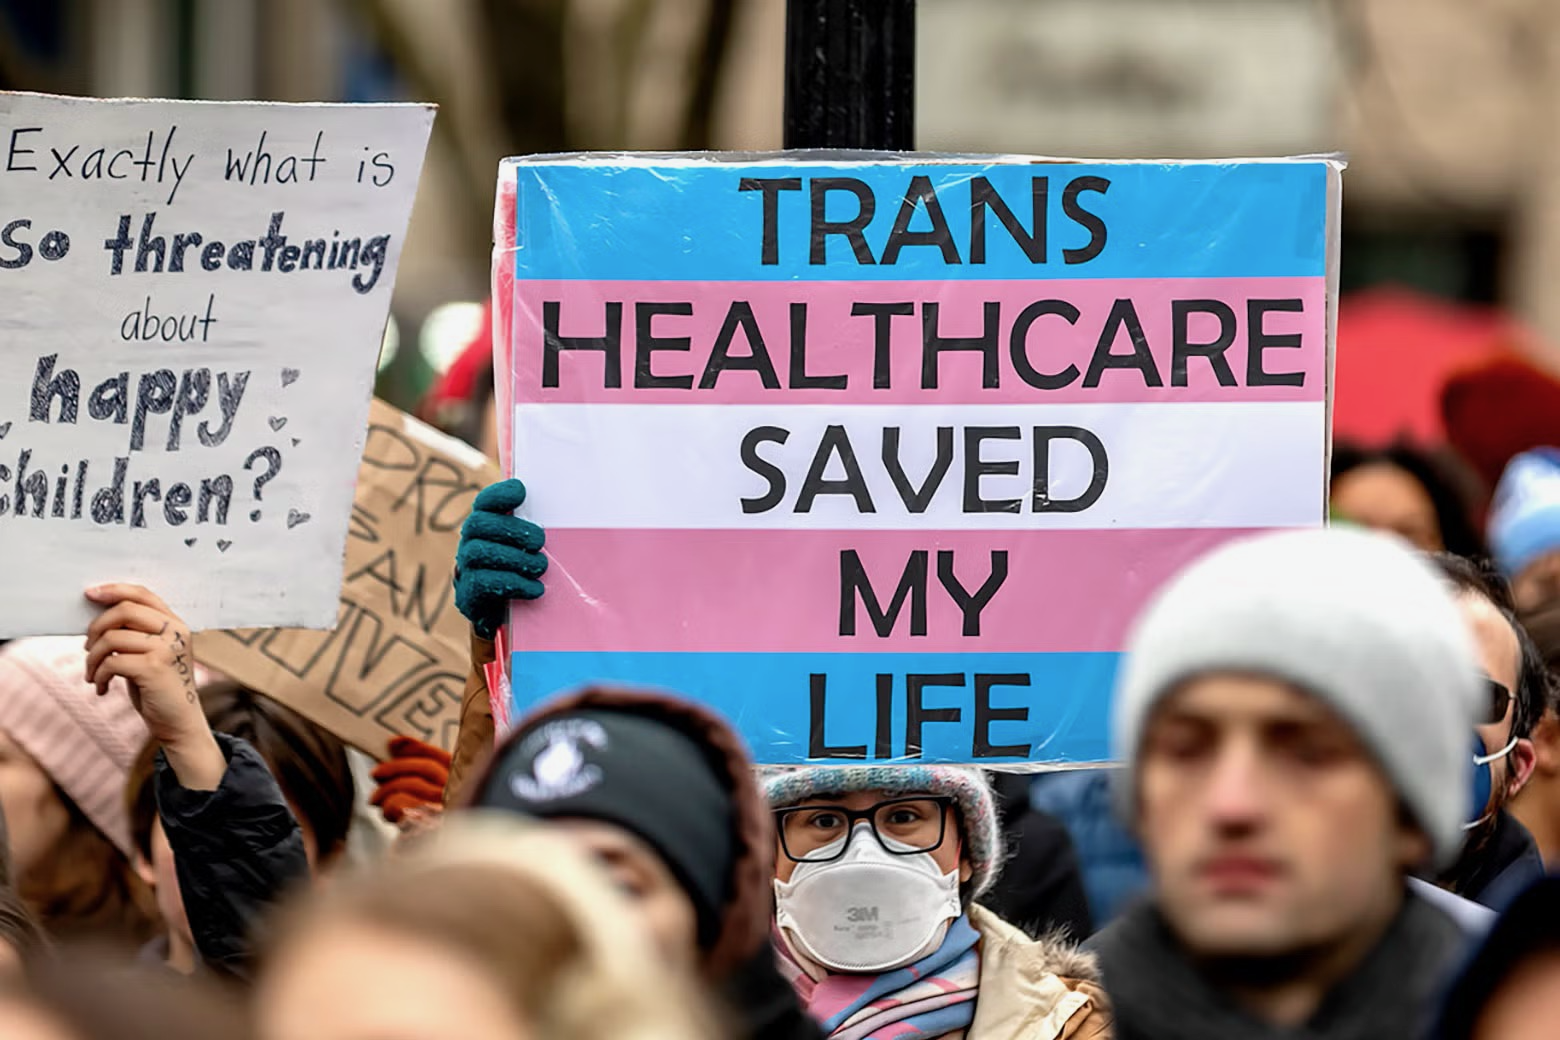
x=500 y=558
x=137 y=638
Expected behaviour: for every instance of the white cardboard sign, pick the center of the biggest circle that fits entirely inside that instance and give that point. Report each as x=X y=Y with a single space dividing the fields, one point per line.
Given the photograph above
x=194 y=294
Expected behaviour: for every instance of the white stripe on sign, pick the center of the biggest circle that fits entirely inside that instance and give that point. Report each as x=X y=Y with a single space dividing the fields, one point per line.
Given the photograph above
x=932 y=467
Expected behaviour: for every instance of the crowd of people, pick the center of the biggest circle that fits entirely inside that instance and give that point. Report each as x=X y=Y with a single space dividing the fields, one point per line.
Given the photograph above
x=1336 y=814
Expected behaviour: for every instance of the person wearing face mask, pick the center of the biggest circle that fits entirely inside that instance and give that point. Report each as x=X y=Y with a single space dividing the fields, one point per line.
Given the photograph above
x=875 y=922
x=1499 y=857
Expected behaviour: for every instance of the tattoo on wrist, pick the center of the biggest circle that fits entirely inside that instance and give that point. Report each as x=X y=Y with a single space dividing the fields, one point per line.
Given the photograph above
x=181 y=663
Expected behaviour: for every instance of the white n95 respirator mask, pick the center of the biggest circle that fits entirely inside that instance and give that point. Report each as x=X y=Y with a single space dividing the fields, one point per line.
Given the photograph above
x=869 y=911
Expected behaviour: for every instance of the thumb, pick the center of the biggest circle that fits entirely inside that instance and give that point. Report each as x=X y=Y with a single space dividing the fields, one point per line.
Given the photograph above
x=503 y=497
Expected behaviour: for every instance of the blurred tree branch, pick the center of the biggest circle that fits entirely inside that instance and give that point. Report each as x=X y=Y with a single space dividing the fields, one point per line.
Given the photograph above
x=709 y=72
x=522 y=43
x=429 y=79
x=557 y=75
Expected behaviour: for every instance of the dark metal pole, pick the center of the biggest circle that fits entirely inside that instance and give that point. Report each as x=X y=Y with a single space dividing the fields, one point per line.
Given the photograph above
x=850 y=74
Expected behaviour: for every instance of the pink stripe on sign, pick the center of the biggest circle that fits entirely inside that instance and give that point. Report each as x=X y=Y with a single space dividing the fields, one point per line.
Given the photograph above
x=779 y=590
x=1045 y=341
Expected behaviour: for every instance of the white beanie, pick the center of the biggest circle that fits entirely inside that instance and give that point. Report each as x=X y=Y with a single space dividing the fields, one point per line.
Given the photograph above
x=1353 y=618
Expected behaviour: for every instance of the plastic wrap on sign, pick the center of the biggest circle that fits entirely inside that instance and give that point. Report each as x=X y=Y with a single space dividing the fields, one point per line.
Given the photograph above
x=880 y=456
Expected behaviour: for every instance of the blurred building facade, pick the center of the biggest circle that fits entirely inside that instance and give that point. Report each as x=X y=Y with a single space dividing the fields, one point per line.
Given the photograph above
x=1445 y=107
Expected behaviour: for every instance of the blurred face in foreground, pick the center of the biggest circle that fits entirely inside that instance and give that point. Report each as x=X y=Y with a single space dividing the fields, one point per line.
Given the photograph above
x=1527 y=1004
x=20 y=1021
x=366 y=983
x=644 y=878
x=1269 y=828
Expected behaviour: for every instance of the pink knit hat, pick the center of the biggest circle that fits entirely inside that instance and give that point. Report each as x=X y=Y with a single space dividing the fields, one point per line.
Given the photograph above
x=85 y=743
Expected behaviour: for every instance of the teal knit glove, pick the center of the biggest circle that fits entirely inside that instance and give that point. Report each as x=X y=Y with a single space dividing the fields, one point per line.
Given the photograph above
x=499 y=559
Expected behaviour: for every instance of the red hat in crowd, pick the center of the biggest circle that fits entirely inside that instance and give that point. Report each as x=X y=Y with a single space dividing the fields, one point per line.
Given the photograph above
x=1498 y=408
x=448 y=401
x=452 y=394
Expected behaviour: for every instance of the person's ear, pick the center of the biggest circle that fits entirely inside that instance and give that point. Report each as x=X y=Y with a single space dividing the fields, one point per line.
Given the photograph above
x=1546 y=745
x=143 y=870
x=1523 y=759
x=965 y=870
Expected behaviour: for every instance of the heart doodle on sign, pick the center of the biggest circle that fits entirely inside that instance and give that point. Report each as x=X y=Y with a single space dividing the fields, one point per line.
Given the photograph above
x=189 y=541
x=289 y=376
x=294 y=518
x=5 y=428
x=277 y=422
x=222 y=545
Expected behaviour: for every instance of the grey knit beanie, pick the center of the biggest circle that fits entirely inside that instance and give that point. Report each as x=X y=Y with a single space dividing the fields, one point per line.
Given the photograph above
x=1354 y=618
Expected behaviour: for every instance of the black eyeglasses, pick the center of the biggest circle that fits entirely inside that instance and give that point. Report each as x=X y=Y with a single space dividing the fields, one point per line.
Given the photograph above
x=903 y=826
x=1500 y=701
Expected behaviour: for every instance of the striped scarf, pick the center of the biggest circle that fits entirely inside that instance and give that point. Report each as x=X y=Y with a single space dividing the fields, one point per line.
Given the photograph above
x=932 y=999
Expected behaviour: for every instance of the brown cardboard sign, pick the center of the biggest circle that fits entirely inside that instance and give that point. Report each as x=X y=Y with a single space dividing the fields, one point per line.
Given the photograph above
x=396 y=660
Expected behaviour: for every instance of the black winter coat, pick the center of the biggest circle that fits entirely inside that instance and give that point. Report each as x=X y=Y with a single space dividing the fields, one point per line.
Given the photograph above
x=237 y=851
x=1040 y=888
x=1494 y=870
x=762 y=1005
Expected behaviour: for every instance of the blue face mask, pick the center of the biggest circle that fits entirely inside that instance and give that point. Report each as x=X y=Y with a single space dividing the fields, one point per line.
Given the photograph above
x=1483 y=781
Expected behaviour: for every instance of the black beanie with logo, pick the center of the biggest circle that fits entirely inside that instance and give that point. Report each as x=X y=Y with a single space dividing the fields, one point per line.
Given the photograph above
x=635 y=772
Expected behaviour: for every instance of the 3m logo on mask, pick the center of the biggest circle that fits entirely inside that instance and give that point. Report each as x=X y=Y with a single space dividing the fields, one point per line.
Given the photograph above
x=913 y=902
x=558 y=765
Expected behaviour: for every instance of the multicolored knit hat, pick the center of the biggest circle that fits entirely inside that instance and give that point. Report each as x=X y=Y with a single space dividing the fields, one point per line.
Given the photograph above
x=968 y=788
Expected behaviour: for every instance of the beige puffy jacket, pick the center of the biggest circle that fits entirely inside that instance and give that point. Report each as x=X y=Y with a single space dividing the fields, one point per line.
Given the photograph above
x=1035 y=989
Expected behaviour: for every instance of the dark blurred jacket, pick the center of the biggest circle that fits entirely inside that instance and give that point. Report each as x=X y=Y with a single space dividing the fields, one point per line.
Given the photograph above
x=1109 y=858
x=1529 y=929
x=1392 y=994
x=1039 y=888
x=1495 y=870
x=237 y=850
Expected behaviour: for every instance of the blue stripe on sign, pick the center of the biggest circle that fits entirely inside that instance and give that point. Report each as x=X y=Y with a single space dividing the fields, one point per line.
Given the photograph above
x=600 y=221
x=967 y=707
